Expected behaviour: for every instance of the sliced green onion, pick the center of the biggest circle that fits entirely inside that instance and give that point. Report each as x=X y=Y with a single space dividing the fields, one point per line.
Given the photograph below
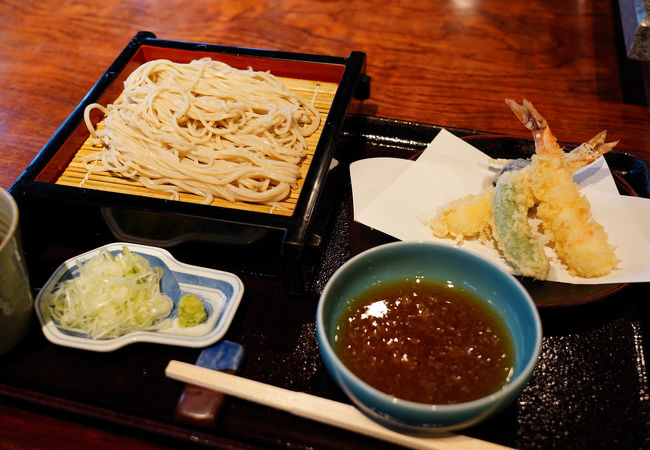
x=112 y=295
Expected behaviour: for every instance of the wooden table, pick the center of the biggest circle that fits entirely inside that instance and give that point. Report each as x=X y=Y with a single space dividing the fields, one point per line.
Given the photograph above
x=449 y=63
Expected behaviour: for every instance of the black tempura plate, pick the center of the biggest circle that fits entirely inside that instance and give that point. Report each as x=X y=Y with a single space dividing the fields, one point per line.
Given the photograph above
x=628 y=170
x=388 y=137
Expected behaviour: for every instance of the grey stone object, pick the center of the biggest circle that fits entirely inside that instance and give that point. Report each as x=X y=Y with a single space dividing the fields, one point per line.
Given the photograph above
x=636 y=28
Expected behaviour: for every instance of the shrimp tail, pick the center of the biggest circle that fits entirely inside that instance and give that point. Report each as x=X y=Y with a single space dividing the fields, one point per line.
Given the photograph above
x=589 y=151
x=527 y=114
x=545 y=141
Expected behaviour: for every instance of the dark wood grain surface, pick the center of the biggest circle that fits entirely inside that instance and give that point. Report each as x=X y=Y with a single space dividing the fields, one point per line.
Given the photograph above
x=449 y=62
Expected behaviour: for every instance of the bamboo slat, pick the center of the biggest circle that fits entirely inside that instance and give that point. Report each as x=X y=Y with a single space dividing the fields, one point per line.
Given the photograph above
x=322 y=95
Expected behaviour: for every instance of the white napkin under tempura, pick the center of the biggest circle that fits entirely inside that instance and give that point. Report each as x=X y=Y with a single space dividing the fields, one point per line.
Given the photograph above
x=396 y=196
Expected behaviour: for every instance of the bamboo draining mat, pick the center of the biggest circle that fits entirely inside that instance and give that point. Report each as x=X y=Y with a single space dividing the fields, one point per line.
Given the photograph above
x=322 y=94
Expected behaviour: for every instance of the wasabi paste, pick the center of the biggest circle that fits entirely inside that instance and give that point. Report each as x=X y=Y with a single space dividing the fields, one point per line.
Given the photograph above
x=190 y=311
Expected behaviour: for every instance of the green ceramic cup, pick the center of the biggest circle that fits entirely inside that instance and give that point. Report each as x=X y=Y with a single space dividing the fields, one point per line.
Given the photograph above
x=16 y=301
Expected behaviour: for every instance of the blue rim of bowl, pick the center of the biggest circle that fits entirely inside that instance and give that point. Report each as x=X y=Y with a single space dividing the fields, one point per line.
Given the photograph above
x=510 y=389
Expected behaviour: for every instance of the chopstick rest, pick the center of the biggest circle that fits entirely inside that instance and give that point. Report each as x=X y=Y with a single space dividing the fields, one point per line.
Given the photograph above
x=201 y=406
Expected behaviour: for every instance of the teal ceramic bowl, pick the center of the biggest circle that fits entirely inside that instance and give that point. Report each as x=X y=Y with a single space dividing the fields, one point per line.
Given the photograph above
x=397 y=261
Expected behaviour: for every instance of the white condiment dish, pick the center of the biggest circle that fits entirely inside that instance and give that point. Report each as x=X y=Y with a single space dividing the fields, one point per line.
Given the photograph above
x=220 y=293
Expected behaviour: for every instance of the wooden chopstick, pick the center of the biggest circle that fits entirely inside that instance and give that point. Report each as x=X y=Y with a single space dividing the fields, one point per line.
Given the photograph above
x=315 y=408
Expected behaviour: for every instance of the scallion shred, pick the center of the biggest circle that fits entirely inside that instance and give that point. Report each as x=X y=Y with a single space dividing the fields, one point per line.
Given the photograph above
x=110 y=296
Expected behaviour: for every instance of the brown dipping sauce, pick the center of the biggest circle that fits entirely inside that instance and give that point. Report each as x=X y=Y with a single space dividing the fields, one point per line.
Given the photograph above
x=425 y=342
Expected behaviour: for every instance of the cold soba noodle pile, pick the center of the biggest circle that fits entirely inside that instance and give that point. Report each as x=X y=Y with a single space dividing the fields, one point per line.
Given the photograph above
x=205 y=128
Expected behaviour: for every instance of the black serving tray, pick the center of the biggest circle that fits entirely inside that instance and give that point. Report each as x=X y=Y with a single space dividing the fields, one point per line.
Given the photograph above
x=80 y=219
x=589 y=389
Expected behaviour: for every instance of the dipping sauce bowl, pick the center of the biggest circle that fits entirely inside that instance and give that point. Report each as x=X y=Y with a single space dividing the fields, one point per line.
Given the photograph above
x=397 y=261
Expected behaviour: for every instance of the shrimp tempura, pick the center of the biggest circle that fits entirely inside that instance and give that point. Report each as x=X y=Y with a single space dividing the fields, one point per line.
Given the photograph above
x=500 y=213
x=580 y=242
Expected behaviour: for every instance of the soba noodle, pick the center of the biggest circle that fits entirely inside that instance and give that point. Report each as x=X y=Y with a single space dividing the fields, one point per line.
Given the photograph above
x=205 y=128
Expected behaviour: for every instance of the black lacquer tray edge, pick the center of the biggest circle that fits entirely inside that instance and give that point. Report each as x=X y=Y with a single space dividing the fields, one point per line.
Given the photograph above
x=394 y=137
